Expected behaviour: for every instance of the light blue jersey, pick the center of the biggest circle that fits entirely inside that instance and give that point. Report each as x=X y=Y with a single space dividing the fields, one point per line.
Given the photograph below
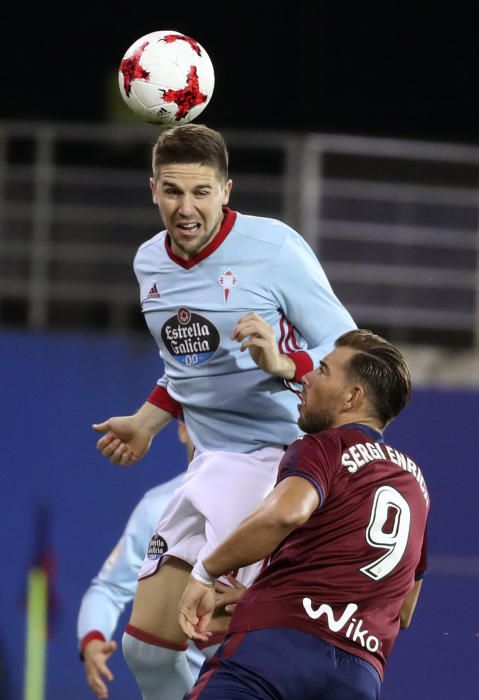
x=115 y=584
x=191 y=307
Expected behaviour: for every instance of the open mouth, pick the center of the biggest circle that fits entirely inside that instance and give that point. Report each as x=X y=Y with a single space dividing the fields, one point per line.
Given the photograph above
x=189 y=229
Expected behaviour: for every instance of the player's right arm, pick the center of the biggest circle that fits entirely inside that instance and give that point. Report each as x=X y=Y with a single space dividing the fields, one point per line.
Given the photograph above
x=127 y=439
x=288 y=506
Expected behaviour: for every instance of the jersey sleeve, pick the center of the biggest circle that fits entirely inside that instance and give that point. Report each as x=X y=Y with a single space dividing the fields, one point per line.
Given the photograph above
x=313 y=458
x=115 y=584
x=160 y=397
x=305 y=296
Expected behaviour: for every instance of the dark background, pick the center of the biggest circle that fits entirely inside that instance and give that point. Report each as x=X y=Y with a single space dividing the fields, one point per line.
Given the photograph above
x=396 y=68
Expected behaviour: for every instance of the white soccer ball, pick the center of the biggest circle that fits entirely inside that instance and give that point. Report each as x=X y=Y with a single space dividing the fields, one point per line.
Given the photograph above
x=166 y=78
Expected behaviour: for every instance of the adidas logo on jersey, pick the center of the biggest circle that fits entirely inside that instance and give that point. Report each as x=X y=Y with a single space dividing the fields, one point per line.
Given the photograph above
x=152 y=294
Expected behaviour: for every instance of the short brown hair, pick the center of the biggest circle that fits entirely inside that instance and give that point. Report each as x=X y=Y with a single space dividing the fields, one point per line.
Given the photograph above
x=381 y=368
x=191 y=143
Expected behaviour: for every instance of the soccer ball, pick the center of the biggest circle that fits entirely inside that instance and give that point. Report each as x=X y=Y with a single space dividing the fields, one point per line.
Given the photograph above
x=166 y=78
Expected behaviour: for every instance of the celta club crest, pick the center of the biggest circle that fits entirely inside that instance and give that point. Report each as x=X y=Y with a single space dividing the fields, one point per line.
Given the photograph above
x=227 y=281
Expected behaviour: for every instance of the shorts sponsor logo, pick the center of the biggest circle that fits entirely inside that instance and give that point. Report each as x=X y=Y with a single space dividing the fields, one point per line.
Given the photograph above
x=157 y=547
x=190 y=338
x=351 y=627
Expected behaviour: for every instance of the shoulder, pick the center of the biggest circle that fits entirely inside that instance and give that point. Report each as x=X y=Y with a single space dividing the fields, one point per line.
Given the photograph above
x=323 y=446
x=149 y=249
x=264 y=230
x=331 y=439
x=281 y=244
x=315 y=457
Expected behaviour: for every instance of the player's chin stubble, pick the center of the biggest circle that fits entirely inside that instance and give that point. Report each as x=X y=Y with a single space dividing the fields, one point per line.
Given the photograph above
x=198 y=246
x=315 y=423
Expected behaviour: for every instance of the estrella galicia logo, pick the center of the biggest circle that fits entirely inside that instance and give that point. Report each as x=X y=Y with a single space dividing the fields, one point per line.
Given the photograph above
x=157 y=547
x=190 y=338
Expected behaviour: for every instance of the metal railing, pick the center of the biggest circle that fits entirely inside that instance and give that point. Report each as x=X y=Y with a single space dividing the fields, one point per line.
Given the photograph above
x=394 y=222
x=396 y=226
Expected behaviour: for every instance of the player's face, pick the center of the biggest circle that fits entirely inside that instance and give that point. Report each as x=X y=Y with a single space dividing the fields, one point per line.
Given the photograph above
x=325 y=392
x=190 y=197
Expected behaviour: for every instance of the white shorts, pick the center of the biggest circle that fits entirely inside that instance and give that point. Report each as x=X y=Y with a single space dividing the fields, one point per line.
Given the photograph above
x=218 y=491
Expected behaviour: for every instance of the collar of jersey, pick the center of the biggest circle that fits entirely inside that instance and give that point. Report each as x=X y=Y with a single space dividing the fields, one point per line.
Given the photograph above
x=228 y=223
x=375 y=434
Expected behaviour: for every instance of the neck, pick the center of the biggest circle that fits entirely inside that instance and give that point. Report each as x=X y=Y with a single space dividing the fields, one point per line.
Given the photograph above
x=361 y=420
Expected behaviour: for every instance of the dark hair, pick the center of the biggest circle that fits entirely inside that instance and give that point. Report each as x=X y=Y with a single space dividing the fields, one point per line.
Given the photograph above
x=191 y=143
x=381 y=368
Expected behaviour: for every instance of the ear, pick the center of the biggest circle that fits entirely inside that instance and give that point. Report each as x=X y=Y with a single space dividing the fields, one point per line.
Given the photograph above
x=354 y=398
x=153 y=190
x=227 y=192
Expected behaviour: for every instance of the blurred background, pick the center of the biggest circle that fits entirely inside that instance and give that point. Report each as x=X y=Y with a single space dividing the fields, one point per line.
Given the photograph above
x=356 y=125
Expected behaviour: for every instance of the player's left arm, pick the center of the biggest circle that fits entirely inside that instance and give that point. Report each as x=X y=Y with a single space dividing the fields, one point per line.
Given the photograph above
x=410 y=601
x=257 y=336
x=309 y=303
x=409 y=605
x=286 y=508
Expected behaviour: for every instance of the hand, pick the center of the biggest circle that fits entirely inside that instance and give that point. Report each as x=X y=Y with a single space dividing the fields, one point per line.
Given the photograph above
x=258 y=337
x=125 y=440
x=95 y=655
x=195 y=609
x=227 y=596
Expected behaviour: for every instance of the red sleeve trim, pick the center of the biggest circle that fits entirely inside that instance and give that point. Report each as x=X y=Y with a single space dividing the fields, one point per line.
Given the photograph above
x=161 y=398
x=303 y=362
x=94 y=634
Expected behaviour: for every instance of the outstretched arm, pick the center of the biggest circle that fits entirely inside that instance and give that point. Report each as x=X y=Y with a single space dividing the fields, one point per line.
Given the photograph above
x=128 y=438
x=287 y=507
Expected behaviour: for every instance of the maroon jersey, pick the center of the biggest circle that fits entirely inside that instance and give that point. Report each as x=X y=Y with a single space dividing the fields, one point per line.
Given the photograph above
x=343 y=576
